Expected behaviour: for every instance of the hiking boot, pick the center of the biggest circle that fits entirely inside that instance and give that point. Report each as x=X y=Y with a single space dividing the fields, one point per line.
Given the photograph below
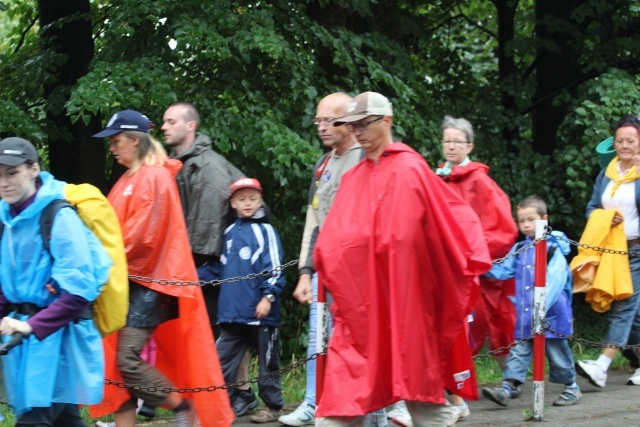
x=635 y=378
x=244 y=402
x=590 y=370
x=496 y=394
x=186 y=417
x=568 y=397
x=399 y=410
x=304 y=414
x=266 y=415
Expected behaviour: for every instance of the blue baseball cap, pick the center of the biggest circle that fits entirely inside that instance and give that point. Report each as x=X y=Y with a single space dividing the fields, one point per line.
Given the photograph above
x=123 y=121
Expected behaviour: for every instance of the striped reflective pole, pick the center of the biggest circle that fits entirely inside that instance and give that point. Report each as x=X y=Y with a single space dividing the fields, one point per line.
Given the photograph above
x=322 y=336
x=539 y=314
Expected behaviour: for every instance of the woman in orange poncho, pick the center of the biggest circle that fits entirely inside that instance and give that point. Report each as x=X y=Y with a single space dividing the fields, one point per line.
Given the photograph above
x=147 y=203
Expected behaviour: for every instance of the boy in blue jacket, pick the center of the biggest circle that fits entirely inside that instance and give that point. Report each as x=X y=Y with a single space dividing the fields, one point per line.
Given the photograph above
x=558 y=309
x=249 y=310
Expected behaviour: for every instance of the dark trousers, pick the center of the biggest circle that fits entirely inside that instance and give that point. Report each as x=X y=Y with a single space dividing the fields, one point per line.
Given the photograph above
x=209 y=292
x=235 y=339
x=57 y=415
x=211 y=295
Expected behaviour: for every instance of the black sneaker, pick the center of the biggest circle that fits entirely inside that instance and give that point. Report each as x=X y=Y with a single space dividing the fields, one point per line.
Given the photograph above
x=147 y=411
x=243 y=402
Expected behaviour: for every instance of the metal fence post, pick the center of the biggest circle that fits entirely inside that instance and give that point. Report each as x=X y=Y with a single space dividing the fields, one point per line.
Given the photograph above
x=539 y=314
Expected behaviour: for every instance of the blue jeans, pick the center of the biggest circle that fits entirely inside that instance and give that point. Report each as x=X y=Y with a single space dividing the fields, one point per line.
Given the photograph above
x=561 y=367
x=625 y=313
x=310 y=393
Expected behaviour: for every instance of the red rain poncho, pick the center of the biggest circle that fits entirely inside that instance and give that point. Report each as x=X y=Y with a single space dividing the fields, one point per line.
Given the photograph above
x=400 y=253
x=157 y=246
x=494 y=315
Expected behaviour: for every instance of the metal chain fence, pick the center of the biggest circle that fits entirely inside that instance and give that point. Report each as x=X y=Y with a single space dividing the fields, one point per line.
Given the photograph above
x=296 y=365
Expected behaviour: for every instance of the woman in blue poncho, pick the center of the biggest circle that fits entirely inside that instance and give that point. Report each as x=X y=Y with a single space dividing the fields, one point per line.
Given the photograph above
x=46 y=296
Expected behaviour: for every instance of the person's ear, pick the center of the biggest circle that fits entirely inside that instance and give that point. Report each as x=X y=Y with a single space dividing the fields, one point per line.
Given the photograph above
x=34 y=170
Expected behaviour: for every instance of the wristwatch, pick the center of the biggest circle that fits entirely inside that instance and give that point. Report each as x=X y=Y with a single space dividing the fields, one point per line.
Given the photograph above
x=270 y=297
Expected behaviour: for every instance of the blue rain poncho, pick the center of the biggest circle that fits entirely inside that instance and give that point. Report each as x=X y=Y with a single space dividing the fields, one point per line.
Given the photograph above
x=68 y=365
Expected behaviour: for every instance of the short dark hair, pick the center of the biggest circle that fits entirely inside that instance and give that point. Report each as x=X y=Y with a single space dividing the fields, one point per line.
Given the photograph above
x=191 y=114
x=628 y=120
x=534 y=201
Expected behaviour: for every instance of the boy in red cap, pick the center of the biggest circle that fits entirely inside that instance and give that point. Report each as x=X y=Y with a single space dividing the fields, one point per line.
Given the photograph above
x=249 y=310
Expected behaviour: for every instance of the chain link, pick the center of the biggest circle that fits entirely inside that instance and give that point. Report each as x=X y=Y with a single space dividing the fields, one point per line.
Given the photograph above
x=518 y=251
x=167 y=390
x=499 y=351
x=596 y=248
x=546 y=328
x=250 y=276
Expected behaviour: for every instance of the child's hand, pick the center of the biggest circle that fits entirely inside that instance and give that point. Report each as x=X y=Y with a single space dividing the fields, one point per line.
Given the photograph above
x=263 y=308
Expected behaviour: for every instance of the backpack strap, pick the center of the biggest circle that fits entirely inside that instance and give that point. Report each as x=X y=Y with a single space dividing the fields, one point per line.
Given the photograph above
x=46 y=219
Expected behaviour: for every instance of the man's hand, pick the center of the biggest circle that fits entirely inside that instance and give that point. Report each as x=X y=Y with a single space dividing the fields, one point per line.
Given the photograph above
x=303 y=292
x=263 y=308
x=10 y=326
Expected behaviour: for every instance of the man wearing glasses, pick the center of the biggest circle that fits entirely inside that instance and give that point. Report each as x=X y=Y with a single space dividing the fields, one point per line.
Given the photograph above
x=400 y=254
x=327 y=173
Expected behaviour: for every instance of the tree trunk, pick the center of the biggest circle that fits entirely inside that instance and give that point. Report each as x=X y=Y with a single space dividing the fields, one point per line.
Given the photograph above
x=74 y=156
x=506 y=11
x=557 y=68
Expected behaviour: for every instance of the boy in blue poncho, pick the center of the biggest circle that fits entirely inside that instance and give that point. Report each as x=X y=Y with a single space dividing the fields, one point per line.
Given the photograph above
x=558 y=306
x=249 y=309
x=46 y=296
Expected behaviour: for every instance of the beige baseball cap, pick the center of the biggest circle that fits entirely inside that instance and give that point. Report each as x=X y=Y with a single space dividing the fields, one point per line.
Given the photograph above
x=364 y=105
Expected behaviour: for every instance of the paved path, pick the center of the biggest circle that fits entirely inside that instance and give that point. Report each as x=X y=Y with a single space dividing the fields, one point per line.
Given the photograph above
x=618 y=405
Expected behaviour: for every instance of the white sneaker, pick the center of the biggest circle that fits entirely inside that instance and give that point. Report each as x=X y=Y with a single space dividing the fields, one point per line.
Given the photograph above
x=399 y=410
x=461 y=410
x=635 y=378
x=304 y=414
x=590 y=370
x=105 y=424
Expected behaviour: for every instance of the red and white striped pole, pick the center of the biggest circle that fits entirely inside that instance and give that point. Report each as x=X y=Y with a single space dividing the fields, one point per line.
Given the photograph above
x=322 y=336
x=539 y=314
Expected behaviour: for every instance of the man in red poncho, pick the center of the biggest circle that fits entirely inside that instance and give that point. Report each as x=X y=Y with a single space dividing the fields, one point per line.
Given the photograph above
x=400 y=253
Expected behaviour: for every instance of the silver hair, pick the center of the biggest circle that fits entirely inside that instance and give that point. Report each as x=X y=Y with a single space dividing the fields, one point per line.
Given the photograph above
x=461 y=124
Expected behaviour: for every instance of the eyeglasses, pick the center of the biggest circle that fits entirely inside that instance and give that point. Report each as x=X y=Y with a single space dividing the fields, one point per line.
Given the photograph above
x=362 y=126
x=324 y=121
x=456 y=142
